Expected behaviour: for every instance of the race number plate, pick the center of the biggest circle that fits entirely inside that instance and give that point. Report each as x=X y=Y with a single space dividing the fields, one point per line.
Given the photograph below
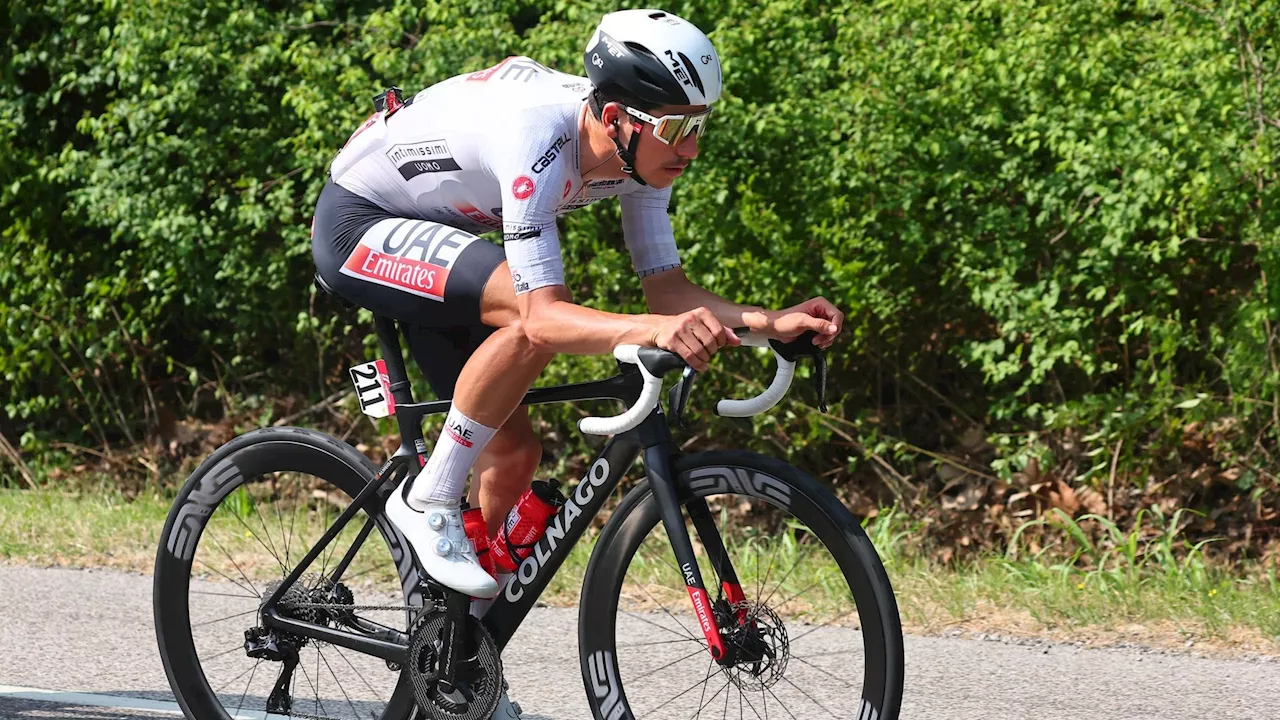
x=373 y=388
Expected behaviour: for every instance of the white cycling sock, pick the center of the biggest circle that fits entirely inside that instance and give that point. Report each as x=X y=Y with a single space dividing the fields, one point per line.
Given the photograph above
x=445 y=476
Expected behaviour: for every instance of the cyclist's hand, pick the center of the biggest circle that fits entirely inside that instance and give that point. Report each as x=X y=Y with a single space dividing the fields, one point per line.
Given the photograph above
x=817 y=315
x=694 y=336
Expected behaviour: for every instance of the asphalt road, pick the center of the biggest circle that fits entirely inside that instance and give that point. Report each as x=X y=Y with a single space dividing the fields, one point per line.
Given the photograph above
x=80 y=644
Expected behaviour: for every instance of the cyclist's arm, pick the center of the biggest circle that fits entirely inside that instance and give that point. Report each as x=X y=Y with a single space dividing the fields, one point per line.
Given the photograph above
x=671 y=292
x=532 y=190
x=552 y=321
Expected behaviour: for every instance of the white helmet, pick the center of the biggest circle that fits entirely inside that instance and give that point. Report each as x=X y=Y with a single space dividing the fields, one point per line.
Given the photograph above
x=648 y=58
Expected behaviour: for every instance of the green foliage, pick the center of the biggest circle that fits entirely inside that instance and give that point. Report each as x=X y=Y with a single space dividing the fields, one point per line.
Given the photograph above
x=1039 y=217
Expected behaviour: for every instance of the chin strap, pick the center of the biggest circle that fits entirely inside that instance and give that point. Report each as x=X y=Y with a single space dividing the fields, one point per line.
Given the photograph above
x=628 y=154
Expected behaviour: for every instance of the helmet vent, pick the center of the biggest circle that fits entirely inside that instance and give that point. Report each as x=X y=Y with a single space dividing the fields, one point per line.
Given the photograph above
x=640 y=49
x=657 y=15
x=693 y=72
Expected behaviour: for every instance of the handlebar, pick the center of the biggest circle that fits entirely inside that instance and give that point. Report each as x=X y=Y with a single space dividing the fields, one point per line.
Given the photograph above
x=771 y=396
x=652 y=363
x=636 y=413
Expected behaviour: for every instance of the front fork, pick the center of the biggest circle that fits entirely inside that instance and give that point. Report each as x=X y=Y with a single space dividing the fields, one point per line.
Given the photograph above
x=662 y=480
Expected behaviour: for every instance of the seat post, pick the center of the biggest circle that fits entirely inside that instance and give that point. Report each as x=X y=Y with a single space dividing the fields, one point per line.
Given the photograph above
x=389 y=343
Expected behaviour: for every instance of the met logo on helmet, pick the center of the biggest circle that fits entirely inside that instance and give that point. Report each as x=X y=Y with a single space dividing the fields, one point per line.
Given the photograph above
x=684 y=72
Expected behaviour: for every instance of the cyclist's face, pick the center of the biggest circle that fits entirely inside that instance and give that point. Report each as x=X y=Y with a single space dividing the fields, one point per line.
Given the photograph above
x=657 y=162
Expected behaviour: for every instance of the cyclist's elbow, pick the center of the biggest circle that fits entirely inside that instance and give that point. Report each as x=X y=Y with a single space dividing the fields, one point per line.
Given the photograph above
x=539 y=333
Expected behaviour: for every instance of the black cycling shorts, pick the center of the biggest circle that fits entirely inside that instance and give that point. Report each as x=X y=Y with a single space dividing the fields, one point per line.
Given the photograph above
x=428 y=276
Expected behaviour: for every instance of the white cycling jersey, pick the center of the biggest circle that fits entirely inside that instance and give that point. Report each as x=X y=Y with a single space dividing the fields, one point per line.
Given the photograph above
x=498 y=149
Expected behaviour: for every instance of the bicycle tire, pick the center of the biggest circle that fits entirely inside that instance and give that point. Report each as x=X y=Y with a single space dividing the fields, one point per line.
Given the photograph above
x=753 y=478
x=239 y=462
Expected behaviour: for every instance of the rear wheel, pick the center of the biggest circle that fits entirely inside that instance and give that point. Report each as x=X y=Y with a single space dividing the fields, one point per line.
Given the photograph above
x=245 y=519
x=817 y=634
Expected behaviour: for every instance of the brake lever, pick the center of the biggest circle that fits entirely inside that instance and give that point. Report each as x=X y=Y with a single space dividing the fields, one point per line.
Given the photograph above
x=803 y=345
x=678 y=396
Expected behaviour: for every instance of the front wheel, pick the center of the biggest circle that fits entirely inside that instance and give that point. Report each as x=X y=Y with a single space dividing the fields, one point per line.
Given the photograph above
x=818 y=633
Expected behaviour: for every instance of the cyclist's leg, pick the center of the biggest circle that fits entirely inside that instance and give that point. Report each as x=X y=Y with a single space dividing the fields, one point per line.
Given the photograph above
x=505 y=469
x=423 y=272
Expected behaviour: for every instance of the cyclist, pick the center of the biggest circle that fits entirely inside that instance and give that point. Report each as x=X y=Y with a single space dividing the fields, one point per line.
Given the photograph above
x=511 y=148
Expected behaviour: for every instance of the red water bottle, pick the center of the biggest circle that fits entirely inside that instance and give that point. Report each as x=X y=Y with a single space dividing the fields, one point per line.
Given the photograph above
x=478 y=532
x=525 y=525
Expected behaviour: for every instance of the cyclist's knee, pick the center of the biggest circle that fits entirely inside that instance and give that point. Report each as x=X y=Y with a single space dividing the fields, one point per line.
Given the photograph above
x=527 y=348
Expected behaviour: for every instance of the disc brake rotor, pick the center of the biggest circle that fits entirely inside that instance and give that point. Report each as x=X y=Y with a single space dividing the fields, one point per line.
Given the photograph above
x=763 y=649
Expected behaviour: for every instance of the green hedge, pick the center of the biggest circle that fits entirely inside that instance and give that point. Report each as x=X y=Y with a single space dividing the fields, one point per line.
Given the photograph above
x=1053 y=224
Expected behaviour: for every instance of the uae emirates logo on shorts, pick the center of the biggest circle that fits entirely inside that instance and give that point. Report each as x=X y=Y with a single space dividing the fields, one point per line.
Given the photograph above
x=410 y=255
x=522 y=188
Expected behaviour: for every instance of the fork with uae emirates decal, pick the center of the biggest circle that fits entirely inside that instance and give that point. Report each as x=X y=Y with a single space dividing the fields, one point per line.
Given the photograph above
x=724 y=584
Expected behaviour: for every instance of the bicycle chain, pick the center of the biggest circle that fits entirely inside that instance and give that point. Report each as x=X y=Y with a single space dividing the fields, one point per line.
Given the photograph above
x=344 y=606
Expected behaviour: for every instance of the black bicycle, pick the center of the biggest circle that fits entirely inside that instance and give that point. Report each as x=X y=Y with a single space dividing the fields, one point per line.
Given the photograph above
x=281 y=590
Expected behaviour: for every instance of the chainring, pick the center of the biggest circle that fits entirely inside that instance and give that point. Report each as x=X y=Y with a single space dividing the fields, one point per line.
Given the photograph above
x=480 y=675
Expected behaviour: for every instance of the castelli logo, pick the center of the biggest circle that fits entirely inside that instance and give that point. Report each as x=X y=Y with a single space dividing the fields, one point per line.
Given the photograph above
x=522 y=188
x=568 y=185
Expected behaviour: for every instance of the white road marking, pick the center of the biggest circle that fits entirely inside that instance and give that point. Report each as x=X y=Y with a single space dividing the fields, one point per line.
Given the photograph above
x=112 y=701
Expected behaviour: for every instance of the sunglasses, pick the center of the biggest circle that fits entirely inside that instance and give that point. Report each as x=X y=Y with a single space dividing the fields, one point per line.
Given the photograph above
x=673 y=129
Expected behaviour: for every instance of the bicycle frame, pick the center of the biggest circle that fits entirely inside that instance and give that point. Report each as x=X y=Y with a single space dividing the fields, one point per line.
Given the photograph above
x=518 y=596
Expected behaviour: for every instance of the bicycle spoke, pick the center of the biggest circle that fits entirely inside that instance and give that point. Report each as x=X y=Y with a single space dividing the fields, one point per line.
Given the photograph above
x=293 y=519
x=674 y=662
x=779 y=701
x=246 y=689
x=317 y=648
x=327 y=553
x=267 y=534
x=669 y=613
x=795 y=595
x=785 y=578
x=684 y=692
x=358 y=673
x=831 y=675
x=725 y=715
x=665 y=558
x=214 y=538
x=319 y=706
x=254 y=535
x=710 y=664
x=768 y=571
x=280 y=520
x=218 y=594
x=655 y=642
x=811 y=630
x=826 y=654
x=229 y=579
x=811 y=698
x=711 y=699
x=354 y=712
x=211 y=622
x=686 y=637
x=225 y=652
x=246 y=672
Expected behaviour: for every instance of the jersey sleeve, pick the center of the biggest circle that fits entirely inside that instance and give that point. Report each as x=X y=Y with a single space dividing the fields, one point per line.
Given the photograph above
x=532 y=176
x=646 y=229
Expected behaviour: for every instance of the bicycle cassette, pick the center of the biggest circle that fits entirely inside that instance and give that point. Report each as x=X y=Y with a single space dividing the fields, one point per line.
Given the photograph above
x=478 y=685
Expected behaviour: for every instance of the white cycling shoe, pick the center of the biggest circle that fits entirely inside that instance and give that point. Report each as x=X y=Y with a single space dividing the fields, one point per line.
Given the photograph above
x=441 y=544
